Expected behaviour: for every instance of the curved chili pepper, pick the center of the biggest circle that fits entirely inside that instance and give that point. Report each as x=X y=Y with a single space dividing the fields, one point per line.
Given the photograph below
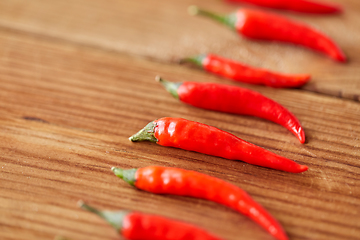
x=256 y=24
x=231 y=99
x=242 y=73
x=176 y=181
x=198 y=137
x=304 y=6
x=140 y=226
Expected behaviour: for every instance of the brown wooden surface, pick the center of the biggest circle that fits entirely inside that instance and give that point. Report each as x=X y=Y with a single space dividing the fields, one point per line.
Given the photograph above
x=77 y=79
x=163 y=30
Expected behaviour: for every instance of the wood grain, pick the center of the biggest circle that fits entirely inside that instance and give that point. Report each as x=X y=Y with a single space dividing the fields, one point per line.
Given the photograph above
x=66 y=111
x=163 y=30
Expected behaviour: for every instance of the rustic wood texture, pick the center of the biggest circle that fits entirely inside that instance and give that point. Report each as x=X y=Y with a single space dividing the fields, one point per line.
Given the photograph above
x=163 y=30
x=77 y=79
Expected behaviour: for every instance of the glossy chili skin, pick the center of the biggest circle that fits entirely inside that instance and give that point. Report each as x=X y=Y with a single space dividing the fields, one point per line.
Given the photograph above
x=231 y=99
x=139 y=226
x=176 y=181
x=242 y=73
x=261 y=25
x=303 y=6
x=202 y=138
x=265 y=26
x=236 y=100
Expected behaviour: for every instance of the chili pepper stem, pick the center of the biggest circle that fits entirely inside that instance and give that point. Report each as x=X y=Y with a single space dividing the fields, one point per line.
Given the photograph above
x=228 y=20
x=145 y=134
x=169 y=86
x=197 y=60
x=128 y=175
x=88 y=208
x=115 y=219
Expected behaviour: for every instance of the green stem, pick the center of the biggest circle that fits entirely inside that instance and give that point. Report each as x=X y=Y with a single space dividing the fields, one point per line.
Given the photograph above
x=197 y=60
x=128 y=175
x=169 y=86
x=145 y=134
x=228 y=20
x=89 y=208
x=115 y=219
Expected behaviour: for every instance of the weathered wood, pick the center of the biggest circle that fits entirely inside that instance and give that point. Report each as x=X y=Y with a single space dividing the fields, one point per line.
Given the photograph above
x=163 y=30
x=67 y=110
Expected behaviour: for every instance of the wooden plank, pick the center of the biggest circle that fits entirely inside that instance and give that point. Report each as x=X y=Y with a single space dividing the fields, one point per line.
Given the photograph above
x=66 y=113
x=163 y=30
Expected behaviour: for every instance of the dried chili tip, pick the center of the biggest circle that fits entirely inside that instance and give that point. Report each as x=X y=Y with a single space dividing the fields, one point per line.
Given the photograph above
x=136 y=225
x=260 y=25
x=176 y=181
x=240 y=72
x=303 y=6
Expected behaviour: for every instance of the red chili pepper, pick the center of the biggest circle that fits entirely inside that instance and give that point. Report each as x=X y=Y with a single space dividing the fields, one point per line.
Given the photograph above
x=198 y=137
x=176 y=181
x=140 y=226
x=256 y=24
x=295 y=5
x=242 y=73
x=231 y=99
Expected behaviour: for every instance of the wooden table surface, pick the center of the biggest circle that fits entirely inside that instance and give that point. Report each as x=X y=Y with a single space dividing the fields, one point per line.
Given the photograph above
x=77 y=79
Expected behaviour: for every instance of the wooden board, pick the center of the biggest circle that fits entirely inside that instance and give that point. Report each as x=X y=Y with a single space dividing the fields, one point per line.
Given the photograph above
x=69 y=101
x=163 y=30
